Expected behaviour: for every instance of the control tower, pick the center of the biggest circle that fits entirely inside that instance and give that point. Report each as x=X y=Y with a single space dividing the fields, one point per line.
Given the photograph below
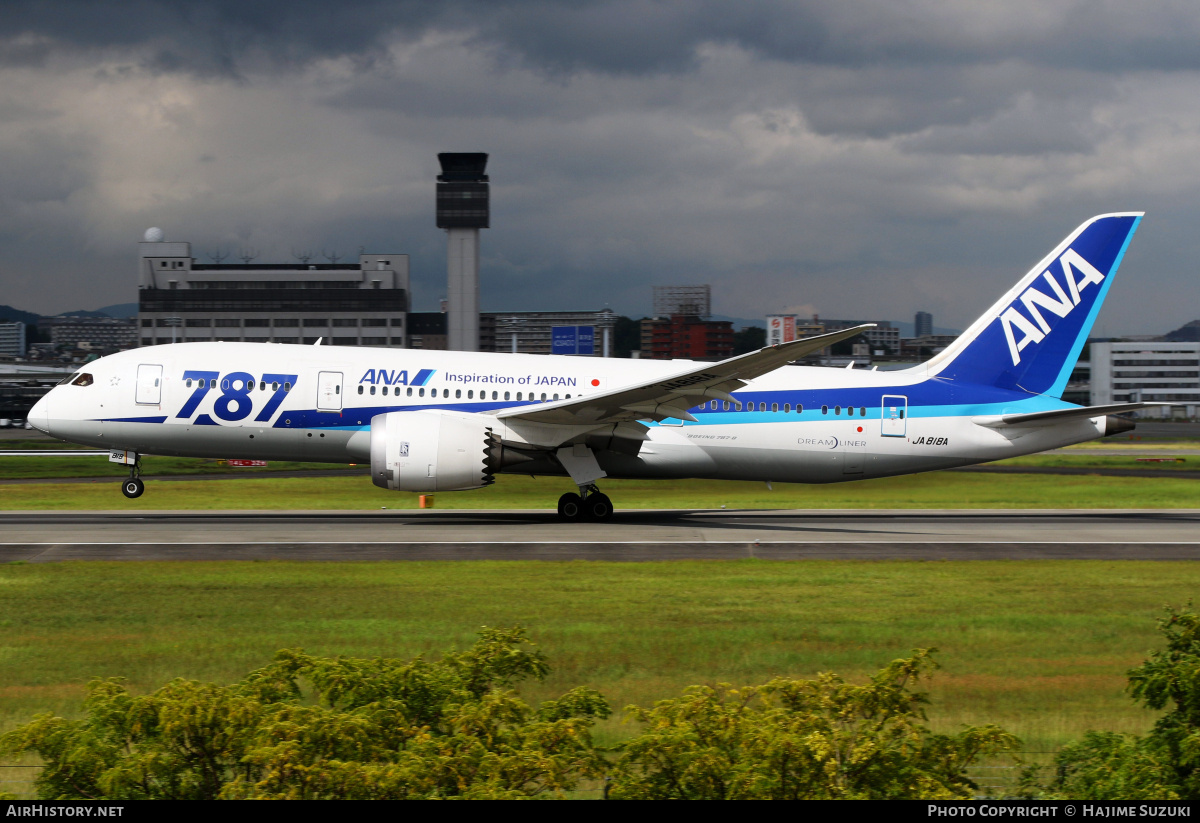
x=462 y=210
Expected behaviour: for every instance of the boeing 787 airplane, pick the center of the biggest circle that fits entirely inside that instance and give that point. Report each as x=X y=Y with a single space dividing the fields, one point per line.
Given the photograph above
x=432 y=421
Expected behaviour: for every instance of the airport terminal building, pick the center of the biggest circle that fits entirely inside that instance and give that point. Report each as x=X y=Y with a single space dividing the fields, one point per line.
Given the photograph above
x=1150 y=372
x=364 y=303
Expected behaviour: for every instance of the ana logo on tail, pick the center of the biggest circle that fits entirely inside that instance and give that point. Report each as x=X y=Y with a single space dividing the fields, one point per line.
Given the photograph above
x=1061 y=304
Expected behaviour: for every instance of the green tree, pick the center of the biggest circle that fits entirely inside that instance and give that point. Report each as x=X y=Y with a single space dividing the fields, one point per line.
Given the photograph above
x=627 y=336
x=307 y=727
x=802 y=739
x=1165 y=763
x=748 y=339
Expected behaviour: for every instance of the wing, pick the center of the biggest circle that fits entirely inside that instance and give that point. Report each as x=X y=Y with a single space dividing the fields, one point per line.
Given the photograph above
x=672 y=396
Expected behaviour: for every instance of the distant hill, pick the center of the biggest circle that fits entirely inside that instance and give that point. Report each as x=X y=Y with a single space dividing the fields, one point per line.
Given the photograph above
x=120 y=310
x=11 y=315
x=1187 y=333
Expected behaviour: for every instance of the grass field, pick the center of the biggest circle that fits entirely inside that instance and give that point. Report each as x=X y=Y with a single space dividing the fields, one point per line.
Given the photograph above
x=935 y=490
x=1039 y=647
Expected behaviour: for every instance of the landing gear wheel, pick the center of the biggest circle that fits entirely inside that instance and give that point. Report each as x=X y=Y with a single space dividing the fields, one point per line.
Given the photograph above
x=570 y=506
x=133 y=487
x=598 y=507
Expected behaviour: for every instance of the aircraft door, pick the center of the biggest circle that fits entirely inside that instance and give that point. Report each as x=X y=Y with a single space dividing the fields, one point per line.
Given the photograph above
x=149 y=385
x=329 y=391
x=895 y=412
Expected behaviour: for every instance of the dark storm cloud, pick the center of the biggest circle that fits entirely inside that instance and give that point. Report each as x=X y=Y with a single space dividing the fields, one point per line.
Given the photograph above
x=859 y=157
x=632 y=36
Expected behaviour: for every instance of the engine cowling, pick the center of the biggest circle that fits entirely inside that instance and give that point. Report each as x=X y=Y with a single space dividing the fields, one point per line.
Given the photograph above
x=434 y=451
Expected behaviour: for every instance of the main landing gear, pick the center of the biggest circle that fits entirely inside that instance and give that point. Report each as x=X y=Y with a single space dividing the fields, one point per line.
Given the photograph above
x=589 y=504
x=133 y=487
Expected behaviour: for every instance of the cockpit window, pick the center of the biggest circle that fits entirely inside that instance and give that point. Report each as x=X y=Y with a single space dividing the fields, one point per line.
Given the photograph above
x=84 y=379
x=67 y=379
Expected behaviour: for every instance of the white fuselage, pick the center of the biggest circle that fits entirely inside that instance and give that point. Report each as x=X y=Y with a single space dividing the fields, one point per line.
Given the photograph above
x=315 y=403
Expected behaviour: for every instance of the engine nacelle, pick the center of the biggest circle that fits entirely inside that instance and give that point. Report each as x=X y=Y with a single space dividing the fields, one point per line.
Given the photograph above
x=433 y=451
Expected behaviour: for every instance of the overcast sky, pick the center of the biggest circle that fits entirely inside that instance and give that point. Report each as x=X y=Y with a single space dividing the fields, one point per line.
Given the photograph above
x=858 y=159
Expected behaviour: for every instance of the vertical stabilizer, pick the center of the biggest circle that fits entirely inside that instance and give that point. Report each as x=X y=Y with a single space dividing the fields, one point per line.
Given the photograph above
x=1030 y=340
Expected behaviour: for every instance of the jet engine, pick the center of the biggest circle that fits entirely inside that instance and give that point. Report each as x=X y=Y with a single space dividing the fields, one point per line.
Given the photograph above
x=436 y=451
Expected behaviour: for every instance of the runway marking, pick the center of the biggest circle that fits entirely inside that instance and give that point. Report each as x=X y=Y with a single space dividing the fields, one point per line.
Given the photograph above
x=602 y=542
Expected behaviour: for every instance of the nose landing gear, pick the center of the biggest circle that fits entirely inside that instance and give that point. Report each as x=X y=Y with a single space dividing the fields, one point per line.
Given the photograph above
x=134 y=486
x=589 y=504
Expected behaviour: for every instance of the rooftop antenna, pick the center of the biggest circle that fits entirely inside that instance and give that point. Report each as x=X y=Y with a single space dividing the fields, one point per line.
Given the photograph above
x=218 y=256
x=302 y=256
x=331 y=257
x=248 y=254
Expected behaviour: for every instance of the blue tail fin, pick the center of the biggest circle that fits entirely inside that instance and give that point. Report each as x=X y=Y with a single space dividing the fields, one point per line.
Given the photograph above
x=1031 y=339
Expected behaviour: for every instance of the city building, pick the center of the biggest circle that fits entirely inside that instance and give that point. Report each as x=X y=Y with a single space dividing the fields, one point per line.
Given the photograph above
x=12 y=339
x=532 y=332
x=364 y=303
x=99 y=334
x=784 y=328
x=686 y=337
x=689 y=301
x=923 y=324
x=1147 y=371
x=925 y=346
x=427 y=330
x=884 y=339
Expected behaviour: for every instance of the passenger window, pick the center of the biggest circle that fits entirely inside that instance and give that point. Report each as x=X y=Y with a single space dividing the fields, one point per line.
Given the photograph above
x=725 y=406
x=787 y=407
x=263 y=387
x=862 y=411
x=372 y=390
x=188 y=383
x=409 y=392
x=799 y=408
x=274 y=387
x=421 y=393
x=824 y=410
x=360 y=389
x=385 y=390
x=212 y=384
x=457 y=394
x=471 y=394
x=445 y=392
x=287 y=386
x=568 y=397
x=506 y=395
x=518 y=395
x=555 y=396
x=774 y=407
x=543 y=397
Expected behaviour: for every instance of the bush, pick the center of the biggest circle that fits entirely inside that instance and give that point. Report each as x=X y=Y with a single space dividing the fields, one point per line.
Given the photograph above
x=363 y=729
x=802 y=739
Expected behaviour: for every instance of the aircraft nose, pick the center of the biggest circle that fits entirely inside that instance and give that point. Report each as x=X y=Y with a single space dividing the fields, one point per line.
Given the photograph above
x=39 y=415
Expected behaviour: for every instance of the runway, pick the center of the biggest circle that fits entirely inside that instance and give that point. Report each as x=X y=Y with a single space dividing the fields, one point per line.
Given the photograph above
x=393 y=535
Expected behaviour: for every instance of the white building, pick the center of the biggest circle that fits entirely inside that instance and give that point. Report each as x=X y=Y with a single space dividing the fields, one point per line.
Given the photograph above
x=12 y=339
x=359 y=303
x=1151 y=372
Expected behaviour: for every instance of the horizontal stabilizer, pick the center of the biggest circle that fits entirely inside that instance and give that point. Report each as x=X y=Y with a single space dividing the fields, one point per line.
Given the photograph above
x=1063 y=414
